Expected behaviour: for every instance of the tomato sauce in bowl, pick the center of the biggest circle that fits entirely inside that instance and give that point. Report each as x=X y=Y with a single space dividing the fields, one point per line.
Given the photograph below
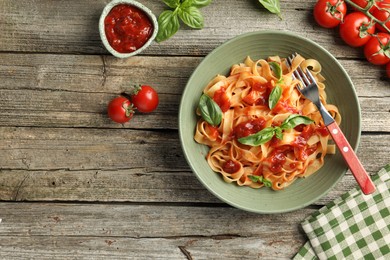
x=127 y=27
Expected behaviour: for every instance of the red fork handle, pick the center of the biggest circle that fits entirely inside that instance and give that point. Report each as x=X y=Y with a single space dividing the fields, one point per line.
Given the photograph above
x=356 y=167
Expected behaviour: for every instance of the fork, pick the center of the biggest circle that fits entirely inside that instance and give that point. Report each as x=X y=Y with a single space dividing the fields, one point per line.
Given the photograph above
x=309 y=89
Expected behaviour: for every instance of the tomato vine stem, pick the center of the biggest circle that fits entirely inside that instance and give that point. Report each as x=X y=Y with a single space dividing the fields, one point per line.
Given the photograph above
x=365 y=10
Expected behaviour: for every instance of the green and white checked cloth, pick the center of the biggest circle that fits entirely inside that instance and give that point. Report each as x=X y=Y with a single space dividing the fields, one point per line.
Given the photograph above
x=354 y=226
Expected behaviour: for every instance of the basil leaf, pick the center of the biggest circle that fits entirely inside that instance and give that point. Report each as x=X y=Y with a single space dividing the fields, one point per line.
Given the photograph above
x=276 y=69
x=194 y=3
x=274 y=96
x=266 y=182
x=200 y=3
x=278 y=133
x=295 y=120
x=210 y=110
x=256 y=178
x=192 y=17
x=272 y=5
x=259 y=138
x=168 y=24
x=172 y=3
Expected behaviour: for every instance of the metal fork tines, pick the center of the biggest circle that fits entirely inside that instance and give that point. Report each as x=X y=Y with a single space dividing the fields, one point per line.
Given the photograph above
x=309 y=88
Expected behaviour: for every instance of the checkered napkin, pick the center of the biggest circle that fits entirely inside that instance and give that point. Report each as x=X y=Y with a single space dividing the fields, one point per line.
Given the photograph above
x=354 y=226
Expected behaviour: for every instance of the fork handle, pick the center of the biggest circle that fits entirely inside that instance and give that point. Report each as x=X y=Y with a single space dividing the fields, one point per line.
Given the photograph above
x=356 y=167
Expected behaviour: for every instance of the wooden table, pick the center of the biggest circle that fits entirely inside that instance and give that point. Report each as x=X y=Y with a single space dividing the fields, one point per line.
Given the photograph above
x=74 y=185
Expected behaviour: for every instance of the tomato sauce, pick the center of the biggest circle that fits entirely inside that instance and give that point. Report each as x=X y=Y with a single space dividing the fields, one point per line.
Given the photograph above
x=127 y=28
x=277 y=160
x=212 y=131
x=322 y=130
x=302 y=150
x=283 y=107
x=250 y=127
x=231 y=166
x=221 y=98
x=256 y=98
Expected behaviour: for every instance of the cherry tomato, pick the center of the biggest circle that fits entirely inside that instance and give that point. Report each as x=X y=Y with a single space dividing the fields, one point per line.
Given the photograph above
x=145 y=98
x=388 y=70
x=356 y=30
x=377 y=49
x=363 y=4
x=120 y=110
x=329 y=13
x=231 y=166
x=382 y=14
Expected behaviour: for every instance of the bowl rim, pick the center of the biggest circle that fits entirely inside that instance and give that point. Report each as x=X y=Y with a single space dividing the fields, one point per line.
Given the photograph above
x=181 y=117
x=102 y=32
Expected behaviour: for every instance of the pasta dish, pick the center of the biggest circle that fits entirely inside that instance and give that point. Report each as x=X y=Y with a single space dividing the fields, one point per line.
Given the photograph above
x=260 y=130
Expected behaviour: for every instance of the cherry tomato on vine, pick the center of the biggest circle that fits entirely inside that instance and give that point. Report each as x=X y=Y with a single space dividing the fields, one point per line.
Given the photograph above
x=329 y=13
x=145 y=98
x=377 y=49
x=120 y=110
x=382 y=13
x=363 y=4
x=356 y=30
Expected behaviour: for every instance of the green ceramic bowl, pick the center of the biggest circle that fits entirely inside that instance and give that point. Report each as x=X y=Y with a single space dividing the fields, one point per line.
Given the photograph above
x=263 y=44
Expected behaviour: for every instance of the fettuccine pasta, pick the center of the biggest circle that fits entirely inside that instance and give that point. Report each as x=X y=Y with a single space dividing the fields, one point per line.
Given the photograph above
x=284 y=151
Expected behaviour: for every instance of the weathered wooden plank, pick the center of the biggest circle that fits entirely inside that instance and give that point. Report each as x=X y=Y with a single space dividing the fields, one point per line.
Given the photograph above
x=81 y=231
x=105 y=74
x=65 y=109
x=119 y=186
x=118 y=165
x=41 y=148
x=72 y=26
x=74 y=90
x=82 y=149
x=106 y=247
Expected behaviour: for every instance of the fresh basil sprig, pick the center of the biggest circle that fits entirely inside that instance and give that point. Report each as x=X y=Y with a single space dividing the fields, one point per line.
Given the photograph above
x=259 y=138
x=256 y=178
x=275 y=67
x=188 y=12
x=276 y=92
x=273 y=6
x=210 y=110
x=294 y=120
x=274 y=96
x=266 y=134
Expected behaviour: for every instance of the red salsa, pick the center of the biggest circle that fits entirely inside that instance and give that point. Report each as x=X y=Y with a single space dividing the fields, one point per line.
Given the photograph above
x=127 y=28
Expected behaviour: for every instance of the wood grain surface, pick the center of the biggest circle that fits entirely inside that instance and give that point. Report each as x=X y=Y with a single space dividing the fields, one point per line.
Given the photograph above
x=74 y=185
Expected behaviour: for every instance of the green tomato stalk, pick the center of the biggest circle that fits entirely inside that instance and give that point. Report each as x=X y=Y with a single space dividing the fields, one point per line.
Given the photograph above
x=365 y=10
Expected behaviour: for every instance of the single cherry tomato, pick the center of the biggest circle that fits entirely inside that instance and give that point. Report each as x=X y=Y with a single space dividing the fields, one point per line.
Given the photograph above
x=145 y=98
x=382 y=13
x=356 y=30
x=377 y=49
x=231 y=166
x=120 y=110
x=329 y=13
